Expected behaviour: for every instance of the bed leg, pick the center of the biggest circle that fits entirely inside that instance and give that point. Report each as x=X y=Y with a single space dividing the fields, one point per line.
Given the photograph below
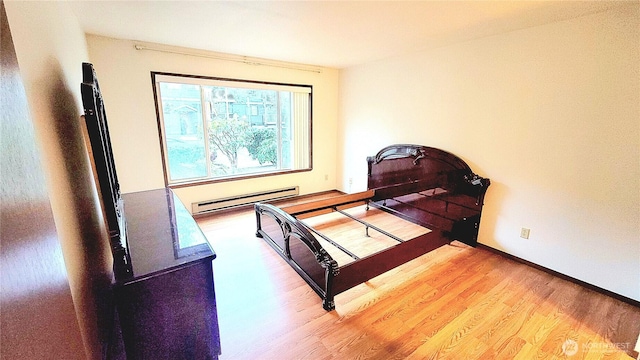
x=258 y=222
x=327 y=299
x=328 y=304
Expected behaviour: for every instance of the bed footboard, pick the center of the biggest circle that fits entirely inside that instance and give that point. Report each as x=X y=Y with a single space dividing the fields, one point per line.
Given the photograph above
x=298 y=247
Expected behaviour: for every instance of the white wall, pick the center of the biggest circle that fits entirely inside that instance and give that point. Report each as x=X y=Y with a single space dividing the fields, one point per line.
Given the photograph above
x=551 y=114
x=50 y=47
x=125 y=80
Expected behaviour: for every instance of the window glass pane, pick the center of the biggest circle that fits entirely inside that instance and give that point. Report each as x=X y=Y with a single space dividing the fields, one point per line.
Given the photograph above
x=183 y=130
x=216 y=128
x=242 y=130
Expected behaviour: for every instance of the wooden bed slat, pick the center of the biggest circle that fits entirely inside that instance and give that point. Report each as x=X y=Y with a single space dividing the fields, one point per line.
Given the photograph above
x=328 y=203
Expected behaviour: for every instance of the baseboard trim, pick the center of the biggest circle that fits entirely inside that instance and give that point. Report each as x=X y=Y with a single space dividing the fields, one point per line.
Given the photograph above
x=597 y=289
x=274 y=202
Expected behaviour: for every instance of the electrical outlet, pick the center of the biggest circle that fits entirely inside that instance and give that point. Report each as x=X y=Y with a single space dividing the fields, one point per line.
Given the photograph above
x=326 y=177
x=350 y=181
x=524 y=233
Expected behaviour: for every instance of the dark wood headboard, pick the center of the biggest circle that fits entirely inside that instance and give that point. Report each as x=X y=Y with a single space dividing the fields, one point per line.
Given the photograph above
x=405 y=168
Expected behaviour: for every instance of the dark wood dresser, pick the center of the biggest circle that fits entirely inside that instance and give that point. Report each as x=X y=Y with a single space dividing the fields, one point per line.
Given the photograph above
x=166 y=303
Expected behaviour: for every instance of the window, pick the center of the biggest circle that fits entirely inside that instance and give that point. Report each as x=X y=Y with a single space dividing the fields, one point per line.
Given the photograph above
x=219 y=129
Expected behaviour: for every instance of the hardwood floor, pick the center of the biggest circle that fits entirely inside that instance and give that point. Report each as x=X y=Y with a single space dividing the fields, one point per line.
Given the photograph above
x=456 y=302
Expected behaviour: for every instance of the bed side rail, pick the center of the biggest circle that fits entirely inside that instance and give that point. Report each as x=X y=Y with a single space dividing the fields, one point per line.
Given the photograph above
x=299 y=248
x=366 y=268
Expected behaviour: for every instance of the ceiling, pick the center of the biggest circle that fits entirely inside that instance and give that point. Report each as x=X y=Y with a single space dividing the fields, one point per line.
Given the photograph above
x=334 y=34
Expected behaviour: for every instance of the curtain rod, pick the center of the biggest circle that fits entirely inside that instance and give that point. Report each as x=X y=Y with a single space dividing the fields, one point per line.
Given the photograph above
x=235 y=58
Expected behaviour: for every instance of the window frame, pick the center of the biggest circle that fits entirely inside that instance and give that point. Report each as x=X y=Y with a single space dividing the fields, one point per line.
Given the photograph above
x=200 y=181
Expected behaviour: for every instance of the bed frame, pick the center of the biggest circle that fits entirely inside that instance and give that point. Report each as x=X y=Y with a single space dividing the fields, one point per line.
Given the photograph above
x=424 y=185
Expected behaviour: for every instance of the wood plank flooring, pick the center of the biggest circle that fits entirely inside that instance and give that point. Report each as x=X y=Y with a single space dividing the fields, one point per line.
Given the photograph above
x=456 y=302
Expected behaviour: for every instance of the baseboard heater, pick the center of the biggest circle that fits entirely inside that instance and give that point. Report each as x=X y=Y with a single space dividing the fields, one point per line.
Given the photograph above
x=239 y=200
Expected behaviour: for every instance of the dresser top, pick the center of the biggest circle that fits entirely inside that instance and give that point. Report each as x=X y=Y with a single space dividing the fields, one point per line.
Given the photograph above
x=161 y=235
